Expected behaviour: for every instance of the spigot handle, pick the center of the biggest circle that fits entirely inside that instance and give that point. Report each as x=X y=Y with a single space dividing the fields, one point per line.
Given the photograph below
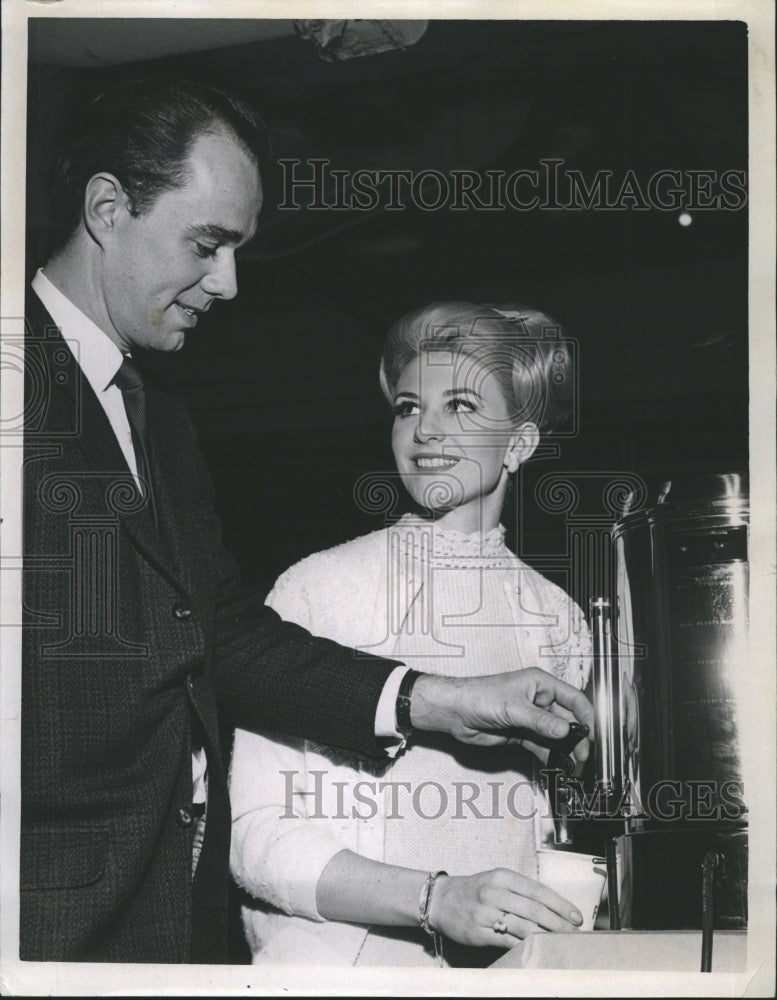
x=560 y=757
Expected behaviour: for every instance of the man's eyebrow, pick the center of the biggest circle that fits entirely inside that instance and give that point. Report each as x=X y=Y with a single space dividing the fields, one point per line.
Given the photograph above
x=219 y=234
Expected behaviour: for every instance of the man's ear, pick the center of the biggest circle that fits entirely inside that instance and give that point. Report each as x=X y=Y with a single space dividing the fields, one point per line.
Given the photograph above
x=104 y=202
x=522 y=445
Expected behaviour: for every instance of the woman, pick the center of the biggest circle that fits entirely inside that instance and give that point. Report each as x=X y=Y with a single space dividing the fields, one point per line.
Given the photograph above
x=352 y=866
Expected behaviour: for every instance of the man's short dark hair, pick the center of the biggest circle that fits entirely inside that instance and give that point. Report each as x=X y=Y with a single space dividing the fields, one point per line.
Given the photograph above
x=142 y=131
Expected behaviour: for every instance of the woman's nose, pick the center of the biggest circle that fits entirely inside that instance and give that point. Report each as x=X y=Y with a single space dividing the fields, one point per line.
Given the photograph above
x=428 y=429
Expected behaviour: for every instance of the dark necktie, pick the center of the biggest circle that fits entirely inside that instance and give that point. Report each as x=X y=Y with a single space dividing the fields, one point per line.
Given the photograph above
x=130 y=381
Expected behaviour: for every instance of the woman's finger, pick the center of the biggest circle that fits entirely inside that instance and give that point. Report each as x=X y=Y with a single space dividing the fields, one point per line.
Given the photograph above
x=530 y=900
x=507 y=939
x=539 y=914
x=517 y=929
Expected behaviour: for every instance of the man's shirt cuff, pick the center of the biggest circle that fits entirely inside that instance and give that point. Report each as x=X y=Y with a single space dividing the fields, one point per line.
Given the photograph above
x=386 y=713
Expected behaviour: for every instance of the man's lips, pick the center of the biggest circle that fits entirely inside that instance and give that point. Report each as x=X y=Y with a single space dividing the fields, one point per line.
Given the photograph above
x=190 y=313
x=193 y=311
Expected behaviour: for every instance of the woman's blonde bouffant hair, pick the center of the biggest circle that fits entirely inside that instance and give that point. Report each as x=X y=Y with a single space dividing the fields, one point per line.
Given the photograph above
x=524 y=349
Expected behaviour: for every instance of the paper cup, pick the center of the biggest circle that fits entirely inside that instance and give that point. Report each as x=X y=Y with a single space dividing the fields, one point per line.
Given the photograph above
x=576 y=878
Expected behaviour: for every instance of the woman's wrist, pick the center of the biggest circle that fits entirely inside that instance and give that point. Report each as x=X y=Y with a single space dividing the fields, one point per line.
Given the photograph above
x=436 y=905
x=355 y=888
x=425 y=906
x=425 y=901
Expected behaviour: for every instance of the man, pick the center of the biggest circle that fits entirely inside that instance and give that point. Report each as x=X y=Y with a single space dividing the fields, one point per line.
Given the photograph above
x=138 y=630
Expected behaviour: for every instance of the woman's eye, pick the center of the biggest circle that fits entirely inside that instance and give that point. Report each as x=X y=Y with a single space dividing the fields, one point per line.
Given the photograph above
x=205 y=249
x=461 y=405
x=405 y=408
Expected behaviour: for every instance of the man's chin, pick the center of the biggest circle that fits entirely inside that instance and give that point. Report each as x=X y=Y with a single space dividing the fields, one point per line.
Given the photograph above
x=168 y=342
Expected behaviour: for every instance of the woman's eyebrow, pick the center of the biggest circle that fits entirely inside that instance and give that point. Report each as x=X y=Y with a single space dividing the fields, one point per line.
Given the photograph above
x=458 y=392
x=411 y=395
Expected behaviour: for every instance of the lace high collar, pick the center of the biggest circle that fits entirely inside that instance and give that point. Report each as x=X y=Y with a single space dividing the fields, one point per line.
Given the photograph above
x=449 y=544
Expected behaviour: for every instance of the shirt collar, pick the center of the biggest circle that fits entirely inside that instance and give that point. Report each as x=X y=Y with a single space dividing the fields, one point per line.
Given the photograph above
x=97 y=355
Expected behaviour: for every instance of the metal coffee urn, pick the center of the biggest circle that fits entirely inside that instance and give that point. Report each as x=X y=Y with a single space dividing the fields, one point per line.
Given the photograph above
x=670 y=653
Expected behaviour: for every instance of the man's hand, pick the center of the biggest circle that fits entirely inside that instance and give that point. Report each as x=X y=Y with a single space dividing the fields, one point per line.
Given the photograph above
x=530 y=707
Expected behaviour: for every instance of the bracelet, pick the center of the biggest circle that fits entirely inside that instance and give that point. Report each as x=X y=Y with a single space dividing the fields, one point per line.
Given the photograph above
x=423 y=905
x=404 y=695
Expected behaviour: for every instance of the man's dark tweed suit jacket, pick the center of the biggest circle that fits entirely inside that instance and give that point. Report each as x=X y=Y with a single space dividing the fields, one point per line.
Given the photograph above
x=134 y=638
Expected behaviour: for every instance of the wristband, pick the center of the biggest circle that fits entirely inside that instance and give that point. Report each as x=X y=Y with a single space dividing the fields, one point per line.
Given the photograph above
x=404 y=695
x=423 y=906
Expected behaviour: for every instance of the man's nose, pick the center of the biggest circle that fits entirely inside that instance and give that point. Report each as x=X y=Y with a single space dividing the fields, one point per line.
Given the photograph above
x=221 y=279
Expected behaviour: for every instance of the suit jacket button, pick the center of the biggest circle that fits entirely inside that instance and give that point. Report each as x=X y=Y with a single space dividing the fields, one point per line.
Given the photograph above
x=185 y=817
x=181 y=613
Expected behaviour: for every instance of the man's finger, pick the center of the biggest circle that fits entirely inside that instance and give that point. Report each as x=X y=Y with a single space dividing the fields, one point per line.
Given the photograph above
x=558 y=694
x=540 y=752
x=543 y=723
x=561 y=712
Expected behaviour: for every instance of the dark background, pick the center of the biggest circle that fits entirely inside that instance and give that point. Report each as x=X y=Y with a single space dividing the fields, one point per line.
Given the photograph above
x=282 y=382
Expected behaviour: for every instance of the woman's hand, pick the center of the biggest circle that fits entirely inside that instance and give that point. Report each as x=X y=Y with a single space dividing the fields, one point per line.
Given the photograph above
x=466 y=908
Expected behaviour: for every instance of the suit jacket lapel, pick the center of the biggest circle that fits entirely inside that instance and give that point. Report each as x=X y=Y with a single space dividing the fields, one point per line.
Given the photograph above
x=62 y=409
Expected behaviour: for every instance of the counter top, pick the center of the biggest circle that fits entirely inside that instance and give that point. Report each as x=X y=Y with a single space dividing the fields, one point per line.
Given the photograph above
x=651 y=951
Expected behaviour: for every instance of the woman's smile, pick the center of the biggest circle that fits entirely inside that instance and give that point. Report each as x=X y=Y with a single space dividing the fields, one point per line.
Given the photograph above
x=436 y=461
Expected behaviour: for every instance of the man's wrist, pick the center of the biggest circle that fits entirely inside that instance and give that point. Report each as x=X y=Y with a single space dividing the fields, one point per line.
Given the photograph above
x=404 y=721
x=433 y=703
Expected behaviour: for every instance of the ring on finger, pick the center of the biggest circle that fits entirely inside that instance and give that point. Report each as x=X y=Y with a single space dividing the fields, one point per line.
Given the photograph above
x=500 y=924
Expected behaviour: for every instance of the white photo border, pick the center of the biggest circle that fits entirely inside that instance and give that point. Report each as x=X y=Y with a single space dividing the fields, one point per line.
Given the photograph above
x=24 y=978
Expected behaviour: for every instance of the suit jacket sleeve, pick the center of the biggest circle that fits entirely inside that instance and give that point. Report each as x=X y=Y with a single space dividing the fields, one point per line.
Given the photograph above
x=275 y=676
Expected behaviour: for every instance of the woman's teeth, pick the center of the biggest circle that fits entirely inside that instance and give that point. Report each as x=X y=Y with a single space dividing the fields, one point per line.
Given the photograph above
x=435 y=463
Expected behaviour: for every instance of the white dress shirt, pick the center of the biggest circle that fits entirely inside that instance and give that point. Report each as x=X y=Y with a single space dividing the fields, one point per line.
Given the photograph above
x=97 y=356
